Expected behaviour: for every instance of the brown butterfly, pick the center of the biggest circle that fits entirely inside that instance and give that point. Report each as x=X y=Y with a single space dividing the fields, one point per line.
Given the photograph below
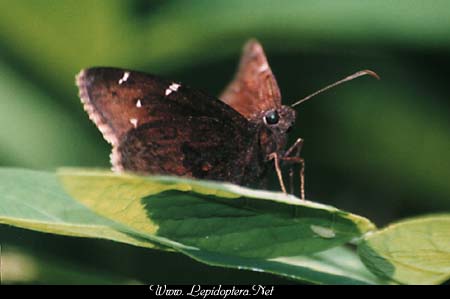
x=157 y=126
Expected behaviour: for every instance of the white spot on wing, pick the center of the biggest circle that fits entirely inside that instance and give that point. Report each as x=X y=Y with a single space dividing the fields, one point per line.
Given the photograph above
x=173 y=87
x=124 y=78
x=134 y=122
x=139 y=103
x=263 y=68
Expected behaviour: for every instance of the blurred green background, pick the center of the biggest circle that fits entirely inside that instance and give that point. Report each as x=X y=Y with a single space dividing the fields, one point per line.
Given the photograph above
x=376 y=148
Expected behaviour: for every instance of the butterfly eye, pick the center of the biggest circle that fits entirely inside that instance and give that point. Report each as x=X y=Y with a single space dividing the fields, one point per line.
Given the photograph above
x=272 y=118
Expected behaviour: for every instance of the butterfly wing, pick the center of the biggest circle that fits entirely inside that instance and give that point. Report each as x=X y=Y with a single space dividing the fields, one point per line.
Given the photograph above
x=254 y=89
x=163 y=127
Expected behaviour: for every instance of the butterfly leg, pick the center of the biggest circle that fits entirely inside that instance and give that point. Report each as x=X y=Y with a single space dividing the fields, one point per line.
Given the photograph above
x=301 y=161
x=292 y=155
x=275 y=158
x=297 y=146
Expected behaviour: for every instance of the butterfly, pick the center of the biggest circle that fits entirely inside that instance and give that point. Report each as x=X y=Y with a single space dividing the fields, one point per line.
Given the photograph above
x=159 y=126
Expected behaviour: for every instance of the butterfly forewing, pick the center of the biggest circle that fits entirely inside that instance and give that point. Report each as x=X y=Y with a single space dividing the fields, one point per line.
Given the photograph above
x=254 y=89
x=164 y=127
x=114 y=99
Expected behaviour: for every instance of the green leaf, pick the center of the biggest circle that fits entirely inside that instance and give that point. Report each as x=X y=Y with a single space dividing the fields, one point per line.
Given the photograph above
x=21 y=266
x=338 y=265
x=35 y=200
x=415 y=251
x=218 y=224
x=216 y=217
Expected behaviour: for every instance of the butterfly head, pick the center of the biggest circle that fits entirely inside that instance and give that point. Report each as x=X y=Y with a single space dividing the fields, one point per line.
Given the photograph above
x=276 y=124
x=279 y=120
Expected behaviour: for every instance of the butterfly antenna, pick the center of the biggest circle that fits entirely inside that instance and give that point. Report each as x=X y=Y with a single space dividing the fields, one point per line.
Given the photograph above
x=351 y=77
